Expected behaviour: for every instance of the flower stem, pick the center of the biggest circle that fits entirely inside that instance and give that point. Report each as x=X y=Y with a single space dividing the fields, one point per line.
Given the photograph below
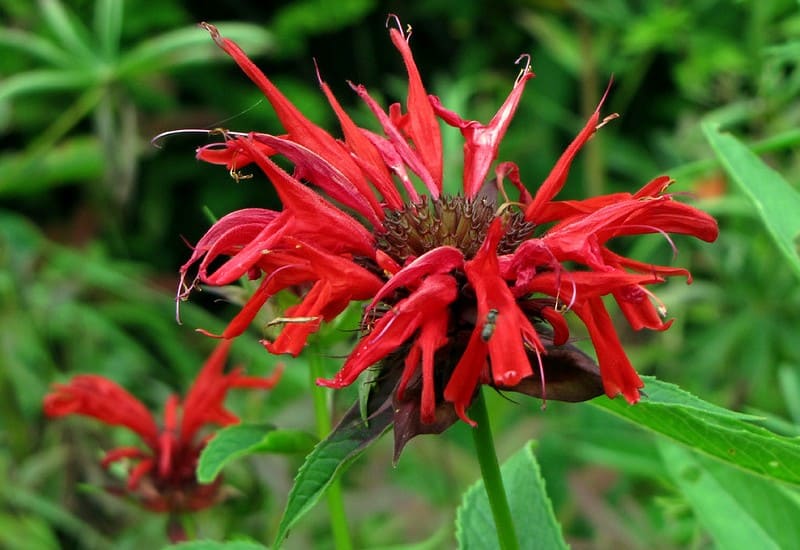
x=490 y=471
x=341 y=535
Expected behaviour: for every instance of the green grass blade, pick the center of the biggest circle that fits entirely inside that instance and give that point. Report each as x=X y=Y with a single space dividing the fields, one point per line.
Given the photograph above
x=35 y=46
x=70 y=32
x=108 y=26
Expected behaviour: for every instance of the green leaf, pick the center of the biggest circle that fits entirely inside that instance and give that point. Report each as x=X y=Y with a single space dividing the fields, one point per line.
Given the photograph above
x=241 y=440
x=45 y=80
x=108 y=16
x=72 y=34
x=19 y=532
x=190 y=45
x=537 y=527
x=75 y=160
x=739 y=510
x=725 y=435
x=215 y=545
x=330 y=457
x=36 y=46
x=777 y=202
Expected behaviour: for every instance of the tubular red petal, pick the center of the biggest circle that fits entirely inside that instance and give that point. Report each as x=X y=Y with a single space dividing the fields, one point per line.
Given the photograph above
x=558 y=175
x=366 y=152
x=300 y=129
x=205 y=401
x=422 y=125
x=618 y=374
x=311 y=212
x=483 y=141
x=391 y=331
x=506 y=341
x=412 y=158
x=97 y=397
x=464 y=381
x=439 y=260
x=433 y=335
x=314 y=168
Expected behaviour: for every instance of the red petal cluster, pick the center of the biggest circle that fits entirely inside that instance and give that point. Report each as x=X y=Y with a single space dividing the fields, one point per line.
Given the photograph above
x=162 y=477
x=336 y=205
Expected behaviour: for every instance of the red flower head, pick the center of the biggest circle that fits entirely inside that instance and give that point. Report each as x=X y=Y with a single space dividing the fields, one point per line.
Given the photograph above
x=463 y=290
x=163 y=476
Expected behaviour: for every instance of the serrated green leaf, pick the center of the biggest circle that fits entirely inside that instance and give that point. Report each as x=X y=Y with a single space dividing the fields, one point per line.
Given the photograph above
x=329 y=458
x=739 y=510
x=216 y=545
x=531 y=510
x=725 y=435
x=226 y=446
x=777 y=202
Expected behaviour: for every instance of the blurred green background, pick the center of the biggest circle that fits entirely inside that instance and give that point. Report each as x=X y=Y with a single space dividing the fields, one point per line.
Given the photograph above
x=94 y=219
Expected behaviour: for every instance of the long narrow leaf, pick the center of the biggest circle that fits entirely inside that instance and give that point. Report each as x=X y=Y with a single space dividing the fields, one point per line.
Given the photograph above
x=45 y=80
x=68 y=29
x=739 y=510
x=190 y=45
x=776 y=201
x=108 y=26
x=35 y=46
x=725 y=435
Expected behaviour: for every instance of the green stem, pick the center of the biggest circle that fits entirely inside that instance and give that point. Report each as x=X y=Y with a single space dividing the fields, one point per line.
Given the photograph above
x=490 y=471
x=341 y=535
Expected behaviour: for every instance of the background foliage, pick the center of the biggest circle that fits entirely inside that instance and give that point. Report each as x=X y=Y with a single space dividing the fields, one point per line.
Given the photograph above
x=92 y=219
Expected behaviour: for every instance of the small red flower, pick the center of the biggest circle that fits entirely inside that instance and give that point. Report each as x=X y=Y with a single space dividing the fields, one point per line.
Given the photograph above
x=162 y=478
x=463 y=290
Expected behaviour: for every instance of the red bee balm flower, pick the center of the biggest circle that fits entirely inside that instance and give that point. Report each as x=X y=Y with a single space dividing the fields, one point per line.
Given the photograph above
x=163 y=478
x=463 y=290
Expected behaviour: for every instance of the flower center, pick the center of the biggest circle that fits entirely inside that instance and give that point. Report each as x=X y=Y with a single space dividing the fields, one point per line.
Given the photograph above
x=449 y=221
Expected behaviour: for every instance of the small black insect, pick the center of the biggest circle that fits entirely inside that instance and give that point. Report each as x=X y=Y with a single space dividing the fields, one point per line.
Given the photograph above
x=488 y=326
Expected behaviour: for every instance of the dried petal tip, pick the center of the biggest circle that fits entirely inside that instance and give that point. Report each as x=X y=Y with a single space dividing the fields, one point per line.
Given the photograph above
x=212 y=30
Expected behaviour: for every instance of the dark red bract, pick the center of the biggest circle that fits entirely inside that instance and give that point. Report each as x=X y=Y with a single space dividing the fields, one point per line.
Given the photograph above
x=462 y=290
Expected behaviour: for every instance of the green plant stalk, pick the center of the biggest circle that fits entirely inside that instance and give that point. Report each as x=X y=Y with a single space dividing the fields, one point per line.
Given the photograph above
x=341 y=535
x=492 y=479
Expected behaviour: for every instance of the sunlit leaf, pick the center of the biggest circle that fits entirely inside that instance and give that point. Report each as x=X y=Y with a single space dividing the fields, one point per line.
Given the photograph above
x=531 y=510
x=69 y=30
x=76 y=159
x=328 y=459
x=723 y=434
x=190 y=45
x=45 y=80
x=241 y=440
x=33 y=45
x=739 y=510
x=108 y=26
x=777 y=202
